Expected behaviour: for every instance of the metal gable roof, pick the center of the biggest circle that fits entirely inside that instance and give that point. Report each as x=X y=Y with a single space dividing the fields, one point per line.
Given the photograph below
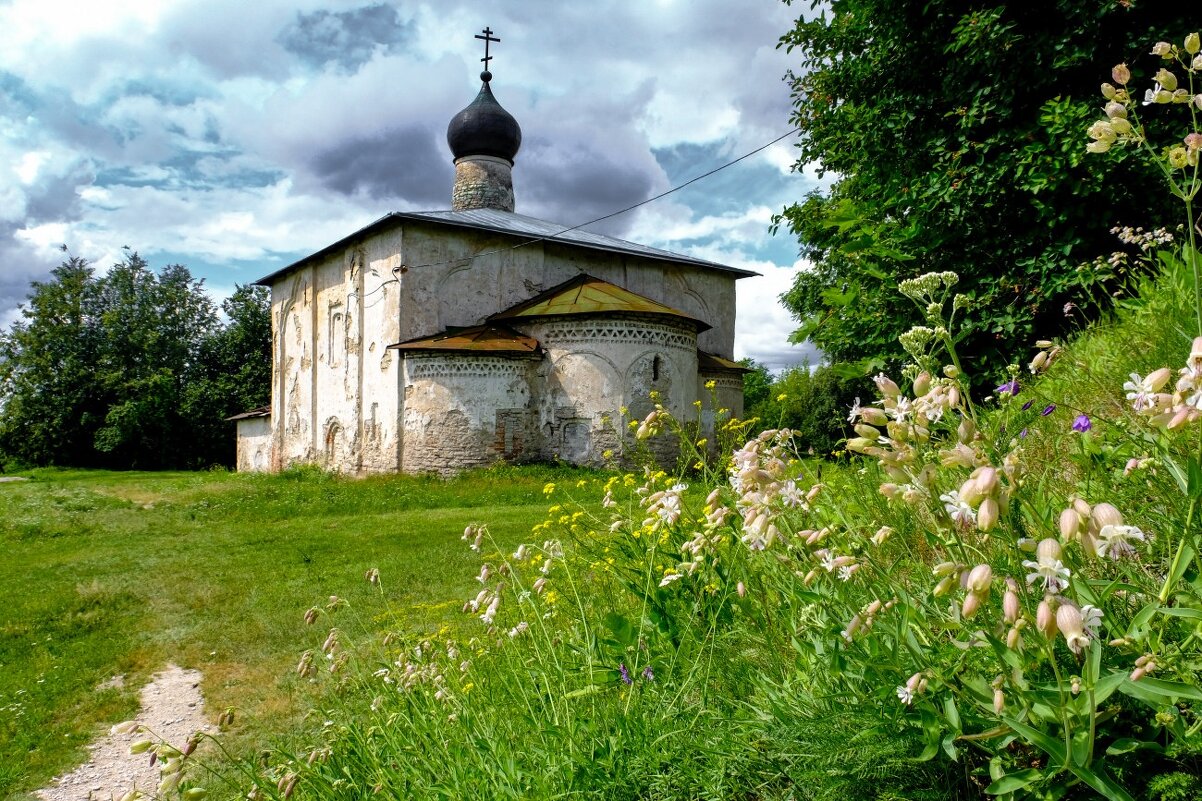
x=517 y=225
x=586 y=294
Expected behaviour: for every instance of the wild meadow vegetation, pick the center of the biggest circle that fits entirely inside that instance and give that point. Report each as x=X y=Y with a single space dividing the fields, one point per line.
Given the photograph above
x=987 y=594
x=991 y=587
x=115 y=574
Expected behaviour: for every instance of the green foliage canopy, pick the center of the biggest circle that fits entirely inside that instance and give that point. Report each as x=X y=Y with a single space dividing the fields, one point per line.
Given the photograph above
x=955 y=132
x=130 y=369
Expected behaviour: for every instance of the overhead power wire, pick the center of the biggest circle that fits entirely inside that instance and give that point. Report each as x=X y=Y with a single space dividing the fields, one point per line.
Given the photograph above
x=561 y=232
x=660 y=196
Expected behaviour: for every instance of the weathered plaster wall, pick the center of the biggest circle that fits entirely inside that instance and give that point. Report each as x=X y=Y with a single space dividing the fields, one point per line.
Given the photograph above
x=446 y=289
x=596 y=365
x=464 y=410
x=336 y=385
x=254 y=445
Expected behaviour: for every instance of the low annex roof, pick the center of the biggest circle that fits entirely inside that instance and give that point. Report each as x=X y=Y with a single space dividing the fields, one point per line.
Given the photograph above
x=519 y=226
x=713 y=363
x=480 y=338
x=259 y=411
x=586 y=294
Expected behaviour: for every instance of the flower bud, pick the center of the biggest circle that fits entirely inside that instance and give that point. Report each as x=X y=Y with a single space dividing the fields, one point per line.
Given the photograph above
x=999 y=701
x=970 y=492
x=1121 y=74
x=1104 y=514
x=886 y=386
x=1071 y=625
x=1121 y=126
x=859 y=444
x=1162 y=49
x=1075 y=685
x=972 y=602
x=987 y=515
x=1039 y=362
x=979 y=579
x=1192 y=43
x=1045 y=619
x=1048 y=550
x=141 y=746
x=1027 y=545
x=1083 y=509
x=922 y=384
x=741 y=589
x=1010 y=607
x=1014 y=639
x=873 y=416
x=866 y=431
x=1108 y=91
x=1166 y=79
x=1114 y=110
x=1070 y=524
x=945 y=586
x=986 y=478
x=945 y=568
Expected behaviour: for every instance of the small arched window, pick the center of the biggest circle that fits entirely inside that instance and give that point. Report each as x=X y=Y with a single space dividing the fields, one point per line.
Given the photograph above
x=655 y=369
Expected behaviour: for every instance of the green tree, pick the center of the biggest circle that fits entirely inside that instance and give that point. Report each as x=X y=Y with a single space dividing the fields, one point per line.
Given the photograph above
x=49 y=409
x=234 y=373
x=130 y=369
x=954 y=130
x=813 y=404
x=757 y=383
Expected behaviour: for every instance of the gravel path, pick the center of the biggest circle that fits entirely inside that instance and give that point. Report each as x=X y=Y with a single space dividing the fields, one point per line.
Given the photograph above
x=172 y=709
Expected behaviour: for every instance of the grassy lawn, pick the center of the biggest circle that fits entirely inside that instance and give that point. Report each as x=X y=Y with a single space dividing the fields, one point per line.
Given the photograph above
x=116 y=574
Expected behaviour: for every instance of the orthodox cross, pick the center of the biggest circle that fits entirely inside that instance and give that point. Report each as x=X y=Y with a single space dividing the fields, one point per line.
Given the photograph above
x=487 y=37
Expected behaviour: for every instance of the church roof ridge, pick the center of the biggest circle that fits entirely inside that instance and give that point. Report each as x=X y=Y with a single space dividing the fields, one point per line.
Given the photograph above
x=587 y=294
x=518 y=225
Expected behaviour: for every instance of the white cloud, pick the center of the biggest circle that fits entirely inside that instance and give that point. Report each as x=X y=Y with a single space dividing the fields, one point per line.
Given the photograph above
x=186 y=127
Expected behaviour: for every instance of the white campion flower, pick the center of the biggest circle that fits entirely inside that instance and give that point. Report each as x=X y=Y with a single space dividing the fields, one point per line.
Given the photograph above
x=791 y=495
x=855 y=412
x=518 y=629
x=958 y=510
x=1142 y=391
x=1115 y=541
x=1052 y=571
x=669 y=578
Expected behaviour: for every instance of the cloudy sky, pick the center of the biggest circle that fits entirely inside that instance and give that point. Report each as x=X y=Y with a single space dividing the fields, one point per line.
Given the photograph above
x=235 y=137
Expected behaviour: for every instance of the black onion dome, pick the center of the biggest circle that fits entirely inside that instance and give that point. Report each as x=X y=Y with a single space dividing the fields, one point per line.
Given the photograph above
x=484 y=129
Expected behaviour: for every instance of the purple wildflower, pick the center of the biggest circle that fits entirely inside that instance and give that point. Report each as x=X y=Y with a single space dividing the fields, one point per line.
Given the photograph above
x=1082 y=423
x=1027 y=405
x=1051 y=407
x=625 y=674
x=1022 y=434
x=648 y=673
x=1009 y=388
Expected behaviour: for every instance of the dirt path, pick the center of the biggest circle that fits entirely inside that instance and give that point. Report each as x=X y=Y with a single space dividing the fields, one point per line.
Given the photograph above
x=172 y=708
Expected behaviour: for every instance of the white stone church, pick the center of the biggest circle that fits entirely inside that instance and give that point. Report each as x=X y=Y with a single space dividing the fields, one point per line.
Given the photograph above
x=440 y=340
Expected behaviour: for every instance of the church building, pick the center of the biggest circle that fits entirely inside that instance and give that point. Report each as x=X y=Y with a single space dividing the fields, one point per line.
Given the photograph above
x=442 y=340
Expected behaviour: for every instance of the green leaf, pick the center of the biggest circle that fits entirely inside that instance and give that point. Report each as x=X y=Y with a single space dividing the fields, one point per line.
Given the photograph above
x=1161 y=690
x=1126 y=745
x=951 y=713
x=1182 y=611
x=1014 y=781
x=1141 y=619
